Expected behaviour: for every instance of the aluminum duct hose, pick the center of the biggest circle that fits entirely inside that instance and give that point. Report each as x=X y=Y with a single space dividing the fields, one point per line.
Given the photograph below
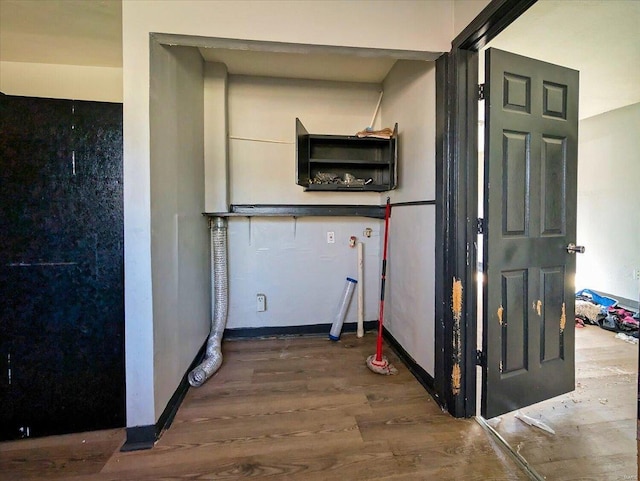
x=213 y=356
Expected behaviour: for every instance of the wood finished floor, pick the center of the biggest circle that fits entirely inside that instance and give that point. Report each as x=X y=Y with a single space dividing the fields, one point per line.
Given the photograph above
x=595 y=425
x=296 y=408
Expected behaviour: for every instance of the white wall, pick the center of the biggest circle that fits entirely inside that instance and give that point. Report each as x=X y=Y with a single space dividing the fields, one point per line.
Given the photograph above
x=103 y=84
x=425 y=26
x=266 y=108
x=608 y=202
x=464 y=11
x=179 y=238
x=402 y=24
x=409 y=99
x=290 y=261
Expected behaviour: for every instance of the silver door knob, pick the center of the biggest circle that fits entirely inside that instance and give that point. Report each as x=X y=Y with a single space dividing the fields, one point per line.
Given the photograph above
x=574 y=249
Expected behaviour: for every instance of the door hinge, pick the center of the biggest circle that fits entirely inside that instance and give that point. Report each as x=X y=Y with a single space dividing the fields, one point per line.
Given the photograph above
x=481 y=92
x=480 y=227
x=480 y=359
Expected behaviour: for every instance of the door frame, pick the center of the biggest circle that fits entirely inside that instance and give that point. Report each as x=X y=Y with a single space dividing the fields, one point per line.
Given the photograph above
x=457 y=206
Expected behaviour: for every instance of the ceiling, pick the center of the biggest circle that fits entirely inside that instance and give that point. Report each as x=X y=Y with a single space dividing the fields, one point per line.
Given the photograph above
x=318 y=66
x=601 y=38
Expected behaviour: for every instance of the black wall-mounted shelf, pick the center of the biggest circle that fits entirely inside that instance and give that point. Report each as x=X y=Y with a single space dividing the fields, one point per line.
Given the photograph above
x=368 y=159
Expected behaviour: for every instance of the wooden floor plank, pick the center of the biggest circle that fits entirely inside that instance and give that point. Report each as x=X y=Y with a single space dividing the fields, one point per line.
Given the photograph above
x=617 y=467
x=595 y=425
x=295 y=408
x=222 y=451
x=75 y=439
x=473 y=456
x=269 y=405
x=55 y=456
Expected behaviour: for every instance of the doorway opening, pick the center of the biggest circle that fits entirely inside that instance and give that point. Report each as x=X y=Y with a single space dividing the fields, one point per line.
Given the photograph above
x=593 y=428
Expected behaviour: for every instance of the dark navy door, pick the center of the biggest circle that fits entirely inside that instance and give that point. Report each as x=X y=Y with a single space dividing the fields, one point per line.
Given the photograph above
x=61 y=267
x=531 y=138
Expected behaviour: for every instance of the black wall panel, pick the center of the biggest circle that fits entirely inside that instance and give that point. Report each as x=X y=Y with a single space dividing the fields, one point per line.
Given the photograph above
x=61 y=267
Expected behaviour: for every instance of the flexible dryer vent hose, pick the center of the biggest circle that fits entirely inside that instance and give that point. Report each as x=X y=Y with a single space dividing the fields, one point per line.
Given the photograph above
x=219 y=281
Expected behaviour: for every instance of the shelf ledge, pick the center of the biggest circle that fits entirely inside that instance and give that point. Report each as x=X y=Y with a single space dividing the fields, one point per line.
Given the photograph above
x=301 y=210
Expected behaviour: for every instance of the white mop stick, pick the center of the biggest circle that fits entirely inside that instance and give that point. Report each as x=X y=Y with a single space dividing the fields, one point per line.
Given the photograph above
x=360 y=331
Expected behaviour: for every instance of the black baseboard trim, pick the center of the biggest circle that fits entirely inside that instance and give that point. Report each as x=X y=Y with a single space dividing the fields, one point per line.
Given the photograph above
x=311 y=329
x=169 y=413
x=144 y=437
x=423 y=377
x=139 y=438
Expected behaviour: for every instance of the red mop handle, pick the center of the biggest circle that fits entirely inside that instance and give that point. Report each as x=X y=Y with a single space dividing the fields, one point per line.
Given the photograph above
x=387 y=214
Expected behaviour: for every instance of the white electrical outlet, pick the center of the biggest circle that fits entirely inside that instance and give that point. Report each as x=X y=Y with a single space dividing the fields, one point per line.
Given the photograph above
x=636 y=274
x=261 y=303
x=331 y=237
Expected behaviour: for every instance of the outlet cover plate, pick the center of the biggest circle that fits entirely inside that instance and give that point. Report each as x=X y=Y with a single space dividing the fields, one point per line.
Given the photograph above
x=261 y=303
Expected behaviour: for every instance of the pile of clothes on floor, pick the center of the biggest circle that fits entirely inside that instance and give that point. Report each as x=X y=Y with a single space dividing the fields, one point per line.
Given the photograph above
x=598 y=310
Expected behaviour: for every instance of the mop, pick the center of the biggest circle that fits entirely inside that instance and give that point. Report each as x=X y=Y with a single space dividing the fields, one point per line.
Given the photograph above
x=377 y=362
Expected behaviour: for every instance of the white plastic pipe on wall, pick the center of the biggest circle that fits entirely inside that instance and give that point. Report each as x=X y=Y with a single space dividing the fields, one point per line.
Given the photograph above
x=360 y=329
x=220 y=296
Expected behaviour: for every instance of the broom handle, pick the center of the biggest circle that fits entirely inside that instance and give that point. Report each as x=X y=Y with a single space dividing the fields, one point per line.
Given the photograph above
x=360 y=328
x=387 y=214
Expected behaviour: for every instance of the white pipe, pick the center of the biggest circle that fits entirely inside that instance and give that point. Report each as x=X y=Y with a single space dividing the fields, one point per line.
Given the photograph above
x=219 y=284
x=360 y=331
x=375 y=112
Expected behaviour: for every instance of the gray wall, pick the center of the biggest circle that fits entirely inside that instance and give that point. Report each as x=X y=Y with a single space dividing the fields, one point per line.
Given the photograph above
x=179 y=238
x=609 y=202
x=216 y=144
x=409 y=99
